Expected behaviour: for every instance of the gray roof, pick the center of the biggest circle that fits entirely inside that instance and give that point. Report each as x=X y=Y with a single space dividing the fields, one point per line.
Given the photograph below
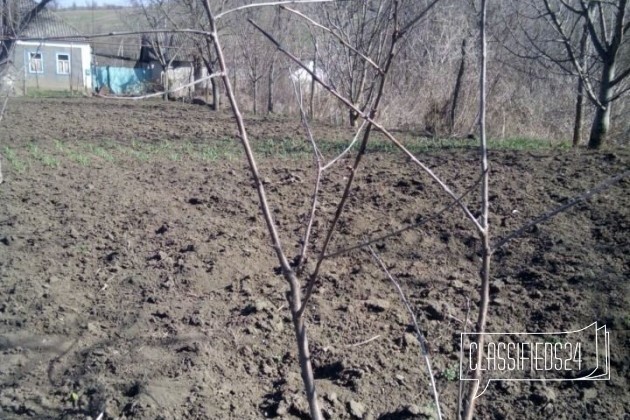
x=172 y=46
x=47 y=24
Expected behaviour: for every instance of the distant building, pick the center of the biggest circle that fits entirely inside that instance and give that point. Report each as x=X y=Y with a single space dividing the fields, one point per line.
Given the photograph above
x=63 y=63
x=154 y=63
x=304 y=78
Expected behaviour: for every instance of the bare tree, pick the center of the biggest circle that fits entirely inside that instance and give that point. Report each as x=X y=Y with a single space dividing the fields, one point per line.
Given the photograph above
x=365 y=26
x=585 y=39
x=258 y=59
x=164 y=48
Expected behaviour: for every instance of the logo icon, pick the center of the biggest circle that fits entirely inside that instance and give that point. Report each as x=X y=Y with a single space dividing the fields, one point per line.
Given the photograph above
x=580 y=355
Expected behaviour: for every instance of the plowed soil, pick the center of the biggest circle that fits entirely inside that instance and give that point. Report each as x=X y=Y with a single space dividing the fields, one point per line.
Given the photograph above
x=137 y=277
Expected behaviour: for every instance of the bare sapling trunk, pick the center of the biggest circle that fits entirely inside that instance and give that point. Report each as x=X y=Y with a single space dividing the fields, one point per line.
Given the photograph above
x=298 y=307
x=288 y=273
x=294 y=296
x=484 y=232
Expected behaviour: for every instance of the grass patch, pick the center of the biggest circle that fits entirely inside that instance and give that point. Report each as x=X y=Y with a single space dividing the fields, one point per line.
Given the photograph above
x=300 y=148
x=451 y=373
x=46 y=93
x=100 y=152
x=79 y=158
x=526 y=143
x=49 y=160
x=43 y=157
x=11 y=156
x=60 y=146
x=139 y=154
x=215 y=150
x=287 y=148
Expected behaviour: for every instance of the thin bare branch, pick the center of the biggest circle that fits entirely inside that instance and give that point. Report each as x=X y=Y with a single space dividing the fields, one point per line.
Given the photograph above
x=268 y=4
x=294 y=295
x=417 y=18
x=622 y=75
x=576 y=200
x=361 y=343
x=373 y=123
x=366 y=136
x=347 y=149
x=318 y=162
x=421 y=338
x=583 y=74
x=337 y=36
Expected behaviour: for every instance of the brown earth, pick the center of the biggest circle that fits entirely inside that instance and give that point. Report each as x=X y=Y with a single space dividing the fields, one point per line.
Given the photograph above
x=137 y=277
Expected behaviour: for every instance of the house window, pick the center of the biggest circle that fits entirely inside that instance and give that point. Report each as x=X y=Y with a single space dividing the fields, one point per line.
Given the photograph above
x=63 y=64
x=35 y=63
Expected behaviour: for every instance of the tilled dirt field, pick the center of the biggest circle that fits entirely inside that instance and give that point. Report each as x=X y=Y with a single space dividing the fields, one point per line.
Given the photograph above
x=137 y=278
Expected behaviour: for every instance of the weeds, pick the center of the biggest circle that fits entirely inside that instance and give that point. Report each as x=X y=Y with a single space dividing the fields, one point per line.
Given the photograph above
x=451 y=373
x=100 y=152
x=79 y=158
x=43 y=157
x=47 y=93
x=11 y=157
x=226 y=149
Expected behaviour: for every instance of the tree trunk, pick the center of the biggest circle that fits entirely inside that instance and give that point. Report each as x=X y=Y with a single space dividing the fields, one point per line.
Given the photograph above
x=579 y=108
x=304 y=357
x=216 y=94
x=599 y=130
x=601 y=123
x=353 y=118
x=198 y=74
x=311 y=101
x=458 y=87
x=579 y=101
x=255 y=87
x=165 y=83
x=270 y=83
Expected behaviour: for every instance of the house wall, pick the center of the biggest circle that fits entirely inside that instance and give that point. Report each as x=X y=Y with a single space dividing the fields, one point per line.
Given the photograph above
x=78 y=78
x=123 y=80
x=178 y=77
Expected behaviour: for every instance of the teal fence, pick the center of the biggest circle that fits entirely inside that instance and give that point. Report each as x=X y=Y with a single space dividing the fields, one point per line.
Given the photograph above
x=122 y=80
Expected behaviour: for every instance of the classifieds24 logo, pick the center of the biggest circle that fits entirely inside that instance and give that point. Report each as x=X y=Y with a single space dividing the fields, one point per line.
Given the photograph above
x=581 y=355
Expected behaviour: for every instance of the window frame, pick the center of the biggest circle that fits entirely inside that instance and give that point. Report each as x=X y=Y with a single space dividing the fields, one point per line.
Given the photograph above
x=57 y=61
x=32 y=60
